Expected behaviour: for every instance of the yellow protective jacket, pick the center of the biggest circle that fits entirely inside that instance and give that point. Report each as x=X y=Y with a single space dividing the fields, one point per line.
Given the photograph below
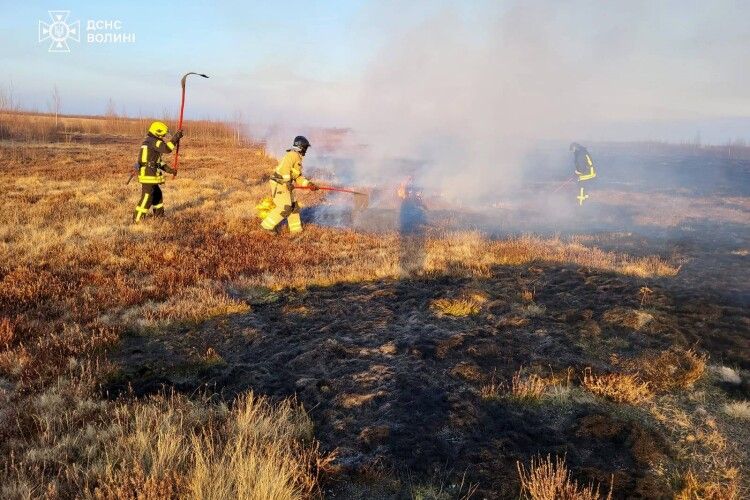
x=150 y=163
x=289 y=170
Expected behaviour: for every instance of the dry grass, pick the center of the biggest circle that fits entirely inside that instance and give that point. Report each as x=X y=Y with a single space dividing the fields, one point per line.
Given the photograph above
x=41 y=127
x=188 y=305
x=472 y=251
x=546 y=479
x=523 y=387
x=674 y=368
x=255 y=450
x=467 y=303
x=694 y=488
x=73 y=279
x=456 y=307
x=738 y=409
x=161 y=447
x=630 y=318
x=618 y=387
x=728 y=375
x=706 y=462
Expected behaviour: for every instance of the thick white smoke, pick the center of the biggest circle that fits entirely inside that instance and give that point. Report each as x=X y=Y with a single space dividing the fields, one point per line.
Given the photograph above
x=460 y=95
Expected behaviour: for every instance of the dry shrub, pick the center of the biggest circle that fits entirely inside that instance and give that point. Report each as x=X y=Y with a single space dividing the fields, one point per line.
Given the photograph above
x=178 y=448
x=618 y=387
x=550 y=480
x=693 y=487
x=675 y=368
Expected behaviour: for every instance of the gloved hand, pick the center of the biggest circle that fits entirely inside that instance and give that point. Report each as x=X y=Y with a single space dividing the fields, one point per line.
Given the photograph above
x=177 y=136
x=313 y=187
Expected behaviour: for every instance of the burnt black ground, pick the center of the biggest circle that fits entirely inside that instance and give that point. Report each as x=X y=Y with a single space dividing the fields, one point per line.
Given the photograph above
x=395 y=388
x=381 y=374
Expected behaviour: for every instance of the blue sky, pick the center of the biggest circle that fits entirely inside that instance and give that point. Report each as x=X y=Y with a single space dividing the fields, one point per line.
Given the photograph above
x=669 y=68
x=228 y=40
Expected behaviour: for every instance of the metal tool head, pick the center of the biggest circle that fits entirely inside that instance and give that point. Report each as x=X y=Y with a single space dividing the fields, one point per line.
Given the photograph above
x=361 y=201
x=184 y=77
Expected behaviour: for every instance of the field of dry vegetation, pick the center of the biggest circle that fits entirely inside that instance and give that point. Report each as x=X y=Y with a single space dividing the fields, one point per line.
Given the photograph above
x=519 y=337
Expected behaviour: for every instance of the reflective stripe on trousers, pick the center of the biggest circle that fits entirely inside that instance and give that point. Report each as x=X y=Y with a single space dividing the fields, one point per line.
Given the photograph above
x=141 y=209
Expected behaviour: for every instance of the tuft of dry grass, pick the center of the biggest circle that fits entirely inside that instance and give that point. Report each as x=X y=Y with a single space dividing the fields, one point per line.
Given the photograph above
x=728 y=375
x=674 y=368
x=523 y=387
x=458 y=308
x=546 y=479
x=6 y=332
x=171 y=447
x=618 y=387
x=627 y=317
x=528 y=388
x=693 y=487
x=738 y=409
x=192 y=304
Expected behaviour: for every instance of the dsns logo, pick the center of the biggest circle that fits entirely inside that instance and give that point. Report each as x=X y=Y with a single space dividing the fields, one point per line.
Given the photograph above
x=58 y=32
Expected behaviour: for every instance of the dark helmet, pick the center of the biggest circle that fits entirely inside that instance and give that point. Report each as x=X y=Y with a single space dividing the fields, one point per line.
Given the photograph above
x=301 y=144
x=574 y=146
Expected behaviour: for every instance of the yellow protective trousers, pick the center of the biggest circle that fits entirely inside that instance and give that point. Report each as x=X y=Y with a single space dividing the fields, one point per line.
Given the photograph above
x=286 y=208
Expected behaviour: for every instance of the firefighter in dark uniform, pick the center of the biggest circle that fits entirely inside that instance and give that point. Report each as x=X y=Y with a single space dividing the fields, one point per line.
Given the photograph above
x=584 y=168
x=150 y=167
x=583 y=162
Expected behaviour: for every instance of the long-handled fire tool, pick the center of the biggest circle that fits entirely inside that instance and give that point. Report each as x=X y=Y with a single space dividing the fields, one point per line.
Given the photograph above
x=132 y=173
x=182 y=111
x=361 y=200
x=563 y=184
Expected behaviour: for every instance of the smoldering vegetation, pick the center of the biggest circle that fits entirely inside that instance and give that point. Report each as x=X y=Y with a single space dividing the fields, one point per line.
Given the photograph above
x=463 y=97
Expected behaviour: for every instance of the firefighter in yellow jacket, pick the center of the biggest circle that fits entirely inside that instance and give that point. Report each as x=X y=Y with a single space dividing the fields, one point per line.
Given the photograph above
x=150 y=167
x=288 y=173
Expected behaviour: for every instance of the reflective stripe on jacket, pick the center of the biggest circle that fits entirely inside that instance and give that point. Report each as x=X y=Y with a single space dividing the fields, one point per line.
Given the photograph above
x=289 y=170
x=149 y=159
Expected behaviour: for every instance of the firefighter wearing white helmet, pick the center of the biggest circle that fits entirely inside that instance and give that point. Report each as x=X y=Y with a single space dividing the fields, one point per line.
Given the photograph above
x=150 y=168
x=288 y=173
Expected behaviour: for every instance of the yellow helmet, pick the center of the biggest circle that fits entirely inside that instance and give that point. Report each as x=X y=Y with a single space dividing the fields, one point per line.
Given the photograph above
x=159 y=129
